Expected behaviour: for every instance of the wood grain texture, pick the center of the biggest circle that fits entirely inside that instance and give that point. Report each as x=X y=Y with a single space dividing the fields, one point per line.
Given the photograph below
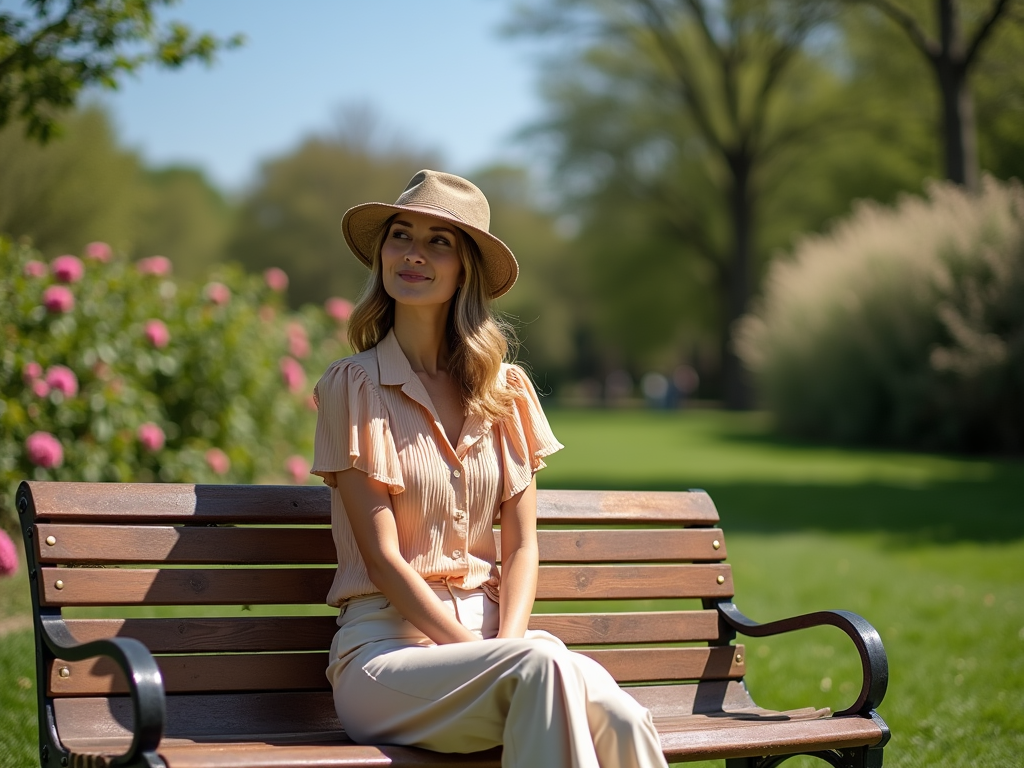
x=266 y=586
x=167 y=502
x=629 y=627
x=193 y=545
x=305 y=671
x=613 y=582
x=150 y=586
x=572 y=507
x=630 y=665
x=183 y=503
x=194 y=674
x=93 y=544
x=311 y=633
x=212 y=635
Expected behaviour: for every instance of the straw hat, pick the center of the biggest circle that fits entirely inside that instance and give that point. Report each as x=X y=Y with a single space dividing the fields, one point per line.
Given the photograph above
x=447 y=197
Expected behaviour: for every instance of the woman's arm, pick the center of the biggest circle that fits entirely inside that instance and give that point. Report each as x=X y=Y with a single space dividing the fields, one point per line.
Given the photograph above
x=519 y=559
x=373 y=523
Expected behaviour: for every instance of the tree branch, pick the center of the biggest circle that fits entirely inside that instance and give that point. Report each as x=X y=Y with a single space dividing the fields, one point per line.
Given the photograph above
x=985 y=30
x=909 y=24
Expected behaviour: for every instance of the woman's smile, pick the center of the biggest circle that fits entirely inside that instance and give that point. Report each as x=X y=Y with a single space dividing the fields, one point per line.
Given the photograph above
x=420 y=259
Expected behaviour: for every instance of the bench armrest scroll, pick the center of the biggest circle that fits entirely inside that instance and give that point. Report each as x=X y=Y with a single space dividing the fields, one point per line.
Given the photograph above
x=144 y=682
x=865 y=637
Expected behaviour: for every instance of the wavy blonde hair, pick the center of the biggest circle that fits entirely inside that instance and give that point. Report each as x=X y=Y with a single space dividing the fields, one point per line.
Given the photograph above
x=478 y=341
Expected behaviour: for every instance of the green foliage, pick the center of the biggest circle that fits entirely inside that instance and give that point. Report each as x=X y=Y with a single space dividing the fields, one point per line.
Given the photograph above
x=54 y=48
x=902 y=326
x=85 y=186
x=77 y=189
x=293 y=215
x=214 y=371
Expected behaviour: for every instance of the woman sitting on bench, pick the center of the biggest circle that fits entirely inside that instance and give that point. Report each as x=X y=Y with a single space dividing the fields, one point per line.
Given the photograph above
x=427 y=438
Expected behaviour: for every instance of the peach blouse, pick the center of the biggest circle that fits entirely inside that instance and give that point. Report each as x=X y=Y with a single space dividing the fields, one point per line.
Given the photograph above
x=375 y=415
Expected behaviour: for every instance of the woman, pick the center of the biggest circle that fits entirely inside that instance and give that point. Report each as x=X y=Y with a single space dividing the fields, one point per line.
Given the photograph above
x=426 y=438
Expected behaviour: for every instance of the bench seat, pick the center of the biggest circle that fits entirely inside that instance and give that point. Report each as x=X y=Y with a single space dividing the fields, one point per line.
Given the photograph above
x=149 y=653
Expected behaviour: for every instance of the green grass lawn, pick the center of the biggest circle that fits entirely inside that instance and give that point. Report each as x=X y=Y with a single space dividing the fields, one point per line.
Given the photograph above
x=930 y=549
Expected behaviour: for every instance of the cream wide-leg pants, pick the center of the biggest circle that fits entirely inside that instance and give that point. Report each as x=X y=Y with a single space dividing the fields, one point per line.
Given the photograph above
x=547 y=705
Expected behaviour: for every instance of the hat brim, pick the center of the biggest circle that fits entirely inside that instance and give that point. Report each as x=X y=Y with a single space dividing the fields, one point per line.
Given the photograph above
x=362 y=224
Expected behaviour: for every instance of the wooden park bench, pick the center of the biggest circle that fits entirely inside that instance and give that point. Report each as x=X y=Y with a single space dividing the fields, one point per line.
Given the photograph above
x=209 y=684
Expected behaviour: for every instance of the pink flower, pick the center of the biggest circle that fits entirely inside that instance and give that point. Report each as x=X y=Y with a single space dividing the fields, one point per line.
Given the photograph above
x=159 y=266
x=34 y=268
x=298 y=468
x=31 y=372
x=339 y=309
x=58 y=298
x=98 y=252
x=151 y=436
x=63 y=380
x=218 y=293
x=8 y=555
x=293 y=375
x=276 y=279
x=44 y=450
x=68 y=269
x=157 y=333
x=298 y=341
x=218 y=461
x=40 y=388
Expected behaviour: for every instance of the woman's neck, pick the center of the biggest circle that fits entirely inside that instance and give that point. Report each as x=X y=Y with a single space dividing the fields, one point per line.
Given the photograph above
x=420 y=331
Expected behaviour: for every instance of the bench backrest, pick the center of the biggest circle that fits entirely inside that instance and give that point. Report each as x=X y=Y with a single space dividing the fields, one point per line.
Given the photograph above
x=244 y=570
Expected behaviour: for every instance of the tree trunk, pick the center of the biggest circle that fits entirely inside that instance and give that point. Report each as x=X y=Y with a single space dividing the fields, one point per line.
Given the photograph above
x=959 y=131
x=736 y=390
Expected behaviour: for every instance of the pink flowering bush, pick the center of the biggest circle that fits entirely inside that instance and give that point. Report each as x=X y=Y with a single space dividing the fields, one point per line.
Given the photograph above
x=68 y=269
x=158 y=266
x=123 y=373
x=276 y=279
x=157 y=334
x=8 y=555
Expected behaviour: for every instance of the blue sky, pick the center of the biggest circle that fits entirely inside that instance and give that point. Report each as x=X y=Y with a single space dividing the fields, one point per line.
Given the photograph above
x=439 y=73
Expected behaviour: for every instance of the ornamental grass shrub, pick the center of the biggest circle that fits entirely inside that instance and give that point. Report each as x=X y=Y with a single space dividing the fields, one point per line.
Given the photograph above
x=112 y=370
x=902 y=326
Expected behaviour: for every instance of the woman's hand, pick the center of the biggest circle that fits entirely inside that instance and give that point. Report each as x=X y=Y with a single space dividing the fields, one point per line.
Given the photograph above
x=519 y=562
x=373 y=523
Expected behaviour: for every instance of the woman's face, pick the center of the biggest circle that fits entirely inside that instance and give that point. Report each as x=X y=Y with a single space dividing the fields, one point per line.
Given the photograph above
x=420 y=262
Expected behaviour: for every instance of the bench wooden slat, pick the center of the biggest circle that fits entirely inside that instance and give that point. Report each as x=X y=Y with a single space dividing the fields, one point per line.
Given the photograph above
x=580 y=507
x=254 y=634
x=182 y=503
x=104 y=544
x=633 y=582
x=268 y=586
x=259 y=634
x=305 y=671
x=151 y=586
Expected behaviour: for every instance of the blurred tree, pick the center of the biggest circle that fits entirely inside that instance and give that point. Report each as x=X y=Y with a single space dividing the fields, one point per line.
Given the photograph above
x=292 y=218
x=695 y=108
x=541 y=305
x=952 y=55
x=52 y=49
x=81 y=188
x=184 y=218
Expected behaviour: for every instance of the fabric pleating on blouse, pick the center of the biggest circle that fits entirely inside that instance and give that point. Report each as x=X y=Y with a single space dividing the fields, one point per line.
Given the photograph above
x=374 y=415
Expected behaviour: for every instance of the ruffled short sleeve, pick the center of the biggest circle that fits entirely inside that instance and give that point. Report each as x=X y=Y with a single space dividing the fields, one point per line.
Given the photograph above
x=352 y=428
x=525 y=435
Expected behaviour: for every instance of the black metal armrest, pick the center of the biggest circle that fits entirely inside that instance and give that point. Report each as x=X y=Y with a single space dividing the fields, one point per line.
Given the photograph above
x=144 y=682
x=864 y=636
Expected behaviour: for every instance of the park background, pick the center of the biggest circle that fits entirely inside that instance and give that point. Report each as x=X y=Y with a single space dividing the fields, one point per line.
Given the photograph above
x=754 y=260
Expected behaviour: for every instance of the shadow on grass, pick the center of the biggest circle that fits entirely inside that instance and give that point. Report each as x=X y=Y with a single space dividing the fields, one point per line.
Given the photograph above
x=936 y=512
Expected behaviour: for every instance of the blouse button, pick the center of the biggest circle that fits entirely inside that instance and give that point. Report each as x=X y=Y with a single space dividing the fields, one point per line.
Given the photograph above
x=457 y=473
x=457 y=553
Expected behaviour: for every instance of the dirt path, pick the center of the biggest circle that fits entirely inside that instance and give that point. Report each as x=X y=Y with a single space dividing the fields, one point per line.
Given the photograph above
x=11 y=624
